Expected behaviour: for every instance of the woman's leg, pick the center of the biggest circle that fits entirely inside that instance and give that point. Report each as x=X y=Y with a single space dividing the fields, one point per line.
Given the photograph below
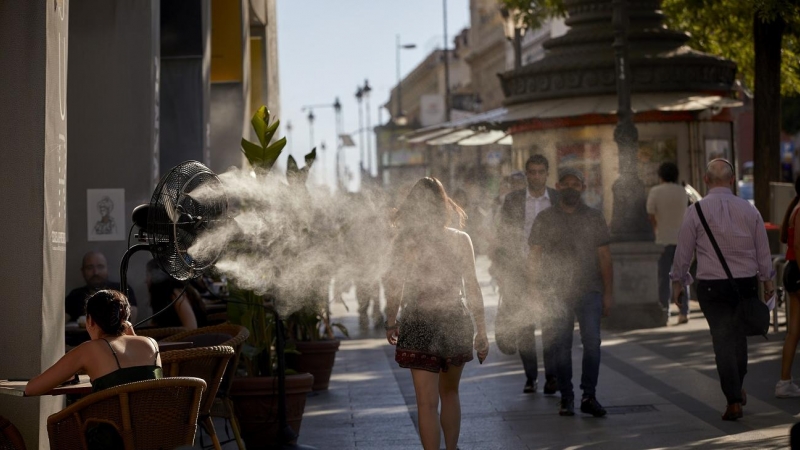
x=451 y=405
x=426 y=387
x=792 y=336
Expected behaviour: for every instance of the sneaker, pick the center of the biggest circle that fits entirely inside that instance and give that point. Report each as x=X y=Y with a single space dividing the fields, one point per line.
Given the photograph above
x=550 y=386
x=590 y=405
x=531 y=386
x=567 y=407
x=682 y=319
x=786 y=389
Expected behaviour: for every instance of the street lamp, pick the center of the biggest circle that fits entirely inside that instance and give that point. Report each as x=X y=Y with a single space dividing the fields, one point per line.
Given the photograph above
x=629 y=219
x=311 y=126
x=514 y=30
x=366 y=90
x=360 y=98
x=400 y=119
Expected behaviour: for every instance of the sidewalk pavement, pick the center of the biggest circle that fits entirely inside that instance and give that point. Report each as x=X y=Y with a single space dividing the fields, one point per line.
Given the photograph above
x=660 y=388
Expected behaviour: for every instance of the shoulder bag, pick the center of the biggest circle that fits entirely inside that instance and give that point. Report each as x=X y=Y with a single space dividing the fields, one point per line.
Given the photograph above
x=751 y=313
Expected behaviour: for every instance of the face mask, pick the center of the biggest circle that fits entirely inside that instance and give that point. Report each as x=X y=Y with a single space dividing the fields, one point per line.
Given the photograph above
x=570 y=197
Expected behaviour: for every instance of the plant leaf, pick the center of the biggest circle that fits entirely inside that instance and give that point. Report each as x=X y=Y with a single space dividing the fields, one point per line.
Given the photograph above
x=270 y=132
x=253 y=153
x=259 y=122
x=291 y=166
x=341 y=328
x=311 y=157
x=272 y=153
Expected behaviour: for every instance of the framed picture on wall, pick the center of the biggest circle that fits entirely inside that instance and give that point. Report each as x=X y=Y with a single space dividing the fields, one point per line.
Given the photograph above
x=105 y=214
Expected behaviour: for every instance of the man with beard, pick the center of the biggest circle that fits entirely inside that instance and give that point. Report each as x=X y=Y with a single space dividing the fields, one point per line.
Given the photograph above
x=571 y=272
x=509 y=263
x=95 y=272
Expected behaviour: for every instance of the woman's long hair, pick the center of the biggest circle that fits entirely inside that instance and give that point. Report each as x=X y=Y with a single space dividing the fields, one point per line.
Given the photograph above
x=427 y=207
x=788 y=214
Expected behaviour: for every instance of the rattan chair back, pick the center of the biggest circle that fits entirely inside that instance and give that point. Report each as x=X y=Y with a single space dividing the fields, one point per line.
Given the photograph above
x=160 y=333
x=10 y=438
x=147 y=415
x=237 y=336
x=208 y=363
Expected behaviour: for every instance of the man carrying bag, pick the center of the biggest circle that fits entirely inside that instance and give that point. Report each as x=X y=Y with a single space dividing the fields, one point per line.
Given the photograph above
x=733 y=256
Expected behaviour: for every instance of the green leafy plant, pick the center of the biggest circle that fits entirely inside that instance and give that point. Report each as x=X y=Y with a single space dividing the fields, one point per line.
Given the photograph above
x=249 y=308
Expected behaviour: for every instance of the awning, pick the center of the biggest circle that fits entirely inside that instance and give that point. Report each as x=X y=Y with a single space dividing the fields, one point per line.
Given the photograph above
x=491 y=127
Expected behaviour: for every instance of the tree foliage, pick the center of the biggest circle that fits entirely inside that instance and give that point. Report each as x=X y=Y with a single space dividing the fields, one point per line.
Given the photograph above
x=719 y=27
x=725 y=28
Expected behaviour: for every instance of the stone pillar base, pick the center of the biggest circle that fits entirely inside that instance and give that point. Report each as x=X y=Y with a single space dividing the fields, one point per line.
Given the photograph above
x=636 y=302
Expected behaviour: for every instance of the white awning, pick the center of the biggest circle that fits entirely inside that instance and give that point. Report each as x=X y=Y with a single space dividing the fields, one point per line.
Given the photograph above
x=490 y=127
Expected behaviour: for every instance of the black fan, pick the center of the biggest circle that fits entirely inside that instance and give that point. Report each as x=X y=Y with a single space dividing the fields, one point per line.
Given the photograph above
x=188 y=201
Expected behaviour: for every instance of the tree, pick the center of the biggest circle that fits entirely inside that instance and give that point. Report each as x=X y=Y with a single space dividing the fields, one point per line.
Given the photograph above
x=761 y=36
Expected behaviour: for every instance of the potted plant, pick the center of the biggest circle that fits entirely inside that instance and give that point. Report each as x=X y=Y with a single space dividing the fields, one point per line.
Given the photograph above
x=314 y=344
x=255 y=304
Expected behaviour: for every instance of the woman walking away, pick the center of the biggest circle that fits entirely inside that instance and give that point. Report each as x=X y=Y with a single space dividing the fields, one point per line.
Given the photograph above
x=790 y=235
x=432 y=267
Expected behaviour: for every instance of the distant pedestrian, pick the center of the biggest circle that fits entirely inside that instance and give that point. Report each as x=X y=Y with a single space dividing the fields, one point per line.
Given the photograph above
x=790 y=235
x=742 y=238
x=431 y=267
x=666 y=206
x=572 y=273
x=520 y=209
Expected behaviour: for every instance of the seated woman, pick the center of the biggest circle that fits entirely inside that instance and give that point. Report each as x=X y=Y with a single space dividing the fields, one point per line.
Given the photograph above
x=114 y=355
x=187 y=312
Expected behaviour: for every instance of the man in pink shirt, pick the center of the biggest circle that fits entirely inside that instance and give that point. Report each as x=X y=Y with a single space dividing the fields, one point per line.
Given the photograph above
x=739 y=230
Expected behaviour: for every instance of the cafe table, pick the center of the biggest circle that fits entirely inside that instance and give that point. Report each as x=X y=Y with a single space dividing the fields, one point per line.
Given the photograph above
x=17 y=387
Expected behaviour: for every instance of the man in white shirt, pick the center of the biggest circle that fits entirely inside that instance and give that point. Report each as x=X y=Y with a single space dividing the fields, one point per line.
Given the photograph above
x=517 y=215
x=666 y=206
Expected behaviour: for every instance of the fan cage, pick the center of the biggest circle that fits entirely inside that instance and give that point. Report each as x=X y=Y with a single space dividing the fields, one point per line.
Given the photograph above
x=170 y=232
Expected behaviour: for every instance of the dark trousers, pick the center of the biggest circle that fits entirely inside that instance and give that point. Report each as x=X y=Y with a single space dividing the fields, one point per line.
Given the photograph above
x=369 y=292
x=526 y=343
x=588 y=309
x=719 y=301
x=526 y=338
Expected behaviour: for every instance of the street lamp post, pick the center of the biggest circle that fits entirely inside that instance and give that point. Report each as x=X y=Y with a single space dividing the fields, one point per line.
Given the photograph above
x=360 y=99
x=366 y=90
x=311 y=126
x=399 y=120
x=629 y=219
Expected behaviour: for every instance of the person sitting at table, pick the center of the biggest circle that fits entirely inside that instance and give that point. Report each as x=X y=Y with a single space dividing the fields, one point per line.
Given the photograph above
x=114 y=355
x=188 y=311
x=95 y=273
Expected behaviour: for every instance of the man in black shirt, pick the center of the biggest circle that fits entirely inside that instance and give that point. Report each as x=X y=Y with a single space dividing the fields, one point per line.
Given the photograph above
x=572 y=275
x=95 y=272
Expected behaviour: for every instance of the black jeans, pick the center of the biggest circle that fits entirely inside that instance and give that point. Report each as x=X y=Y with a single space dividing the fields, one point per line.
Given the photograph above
x=718 y=300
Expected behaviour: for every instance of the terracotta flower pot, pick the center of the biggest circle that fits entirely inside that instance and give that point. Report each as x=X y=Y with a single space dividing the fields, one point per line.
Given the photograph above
x=255 y=401
x=316 y=358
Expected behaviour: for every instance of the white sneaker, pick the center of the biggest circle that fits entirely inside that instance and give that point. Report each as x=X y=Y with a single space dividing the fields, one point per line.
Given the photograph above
x=786 y=389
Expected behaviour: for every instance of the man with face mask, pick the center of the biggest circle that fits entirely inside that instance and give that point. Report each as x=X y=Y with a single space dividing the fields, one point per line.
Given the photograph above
x=520 y=209
x=571 y=273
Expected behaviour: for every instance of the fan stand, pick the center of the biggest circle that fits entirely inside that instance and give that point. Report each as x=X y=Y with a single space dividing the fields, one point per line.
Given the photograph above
x=123 y=265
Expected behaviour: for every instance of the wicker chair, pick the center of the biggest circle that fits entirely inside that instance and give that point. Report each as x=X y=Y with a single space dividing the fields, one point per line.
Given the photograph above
x=10 y=439
x=146 y=414
x=237 y=334
x=208 y=363
x=160 y=333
